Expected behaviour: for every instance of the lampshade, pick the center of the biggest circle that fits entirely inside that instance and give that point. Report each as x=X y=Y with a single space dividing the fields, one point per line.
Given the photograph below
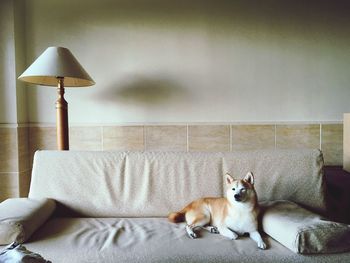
x=53 y=63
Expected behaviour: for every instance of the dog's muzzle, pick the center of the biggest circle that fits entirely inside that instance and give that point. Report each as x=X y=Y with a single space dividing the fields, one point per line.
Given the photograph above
x=237 y=197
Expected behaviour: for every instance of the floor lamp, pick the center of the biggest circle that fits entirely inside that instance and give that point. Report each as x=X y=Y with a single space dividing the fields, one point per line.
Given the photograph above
x=58 y=67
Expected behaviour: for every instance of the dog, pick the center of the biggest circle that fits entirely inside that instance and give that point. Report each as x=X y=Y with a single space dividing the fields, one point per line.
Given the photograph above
x=230 y=216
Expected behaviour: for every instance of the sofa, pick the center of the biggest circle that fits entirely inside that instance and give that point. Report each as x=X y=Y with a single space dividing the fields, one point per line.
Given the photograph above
x=90 y=206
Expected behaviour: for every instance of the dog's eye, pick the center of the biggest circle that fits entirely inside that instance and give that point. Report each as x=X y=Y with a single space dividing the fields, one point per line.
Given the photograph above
x=233 y=189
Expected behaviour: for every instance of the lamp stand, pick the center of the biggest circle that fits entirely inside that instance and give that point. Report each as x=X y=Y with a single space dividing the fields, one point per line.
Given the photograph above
x=62 y=117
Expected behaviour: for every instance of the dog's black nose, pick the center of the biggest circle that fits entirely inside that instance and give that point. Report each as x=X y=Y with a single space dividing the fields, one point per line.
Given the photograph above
x=237 y=196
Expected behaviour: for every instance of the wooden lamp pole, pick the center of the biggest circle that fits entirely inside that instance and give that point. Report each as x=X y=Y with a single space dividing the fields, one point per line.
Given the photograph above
x=62 y=117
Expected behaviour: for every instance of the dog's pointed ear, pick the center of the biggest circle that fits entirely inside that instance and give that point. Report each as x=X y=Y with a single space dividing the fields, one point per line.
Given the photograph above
x=249 y=178
x=228 y=178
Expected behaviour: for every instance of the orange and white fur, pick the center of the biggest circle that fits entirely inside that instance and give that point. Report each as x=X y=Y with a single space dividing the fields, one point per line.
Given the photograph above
x=230 y=216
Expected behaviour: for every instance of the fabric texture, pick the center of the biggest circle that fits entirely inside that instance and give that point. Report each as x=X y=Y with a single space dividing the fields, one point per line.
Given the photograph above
x=151 y=184
x=294 y=175
x=16 y=253
x=20 y=217
x=122 y=184
x=303 y=231
x=152 y=240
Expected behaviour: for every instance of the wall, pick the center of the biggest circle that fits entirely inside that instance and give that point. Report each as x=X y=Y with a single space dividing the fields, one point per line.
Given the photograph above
x=192 y=137
x=14 y=165
x=177 y=75
x=196 y=61
x=8 y=110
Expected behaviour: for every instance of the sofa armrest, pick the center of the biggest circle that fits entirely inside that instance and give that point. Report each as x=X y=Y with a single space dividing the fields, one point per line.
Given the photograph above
x=21 y=217
x=302 y=231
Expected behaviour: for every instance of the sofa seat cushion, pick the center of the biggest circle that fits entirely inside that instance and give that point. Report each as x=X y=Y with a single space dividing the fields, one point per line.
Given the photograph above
x=151 y=240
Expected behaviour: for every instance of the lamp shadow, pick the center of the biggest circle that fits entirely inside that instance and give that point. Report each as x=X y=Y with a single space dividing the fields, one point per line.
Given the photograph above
x=143 y=91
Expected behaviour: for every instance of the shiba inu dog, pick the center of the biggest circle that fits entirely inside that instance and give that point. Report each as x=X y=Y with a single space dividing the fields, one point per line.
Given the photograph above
x=230 y=216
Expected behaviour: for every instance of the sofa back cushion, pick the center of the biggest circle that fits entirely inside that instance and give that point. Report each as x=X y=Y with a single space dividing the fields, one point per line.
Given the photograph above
x=148 y=184
x=126 y=184
x=294 y=175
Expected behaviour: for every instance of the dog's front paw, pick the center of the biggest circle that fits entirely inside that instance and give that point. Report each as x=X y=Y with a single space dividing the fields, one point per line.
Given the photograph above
x=214 y=230
x=190 y=232
x=231 y=235
x=193 y=235
x=234 y=236
x=257 y=238
x=224 y=231
x=262 y=245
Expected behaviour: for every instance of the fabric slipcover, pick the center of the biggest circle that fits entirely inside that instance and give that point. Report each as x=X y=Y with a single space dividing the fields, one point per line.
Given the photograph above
x=303 y=231
x=108 y=188
x=20 y=217
x=151 y=184
x=153 y=240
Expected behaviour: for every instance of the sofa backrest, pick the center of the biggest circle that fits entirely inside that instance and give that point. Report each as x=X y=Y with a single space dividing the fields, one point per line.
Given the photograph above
x=147 y=184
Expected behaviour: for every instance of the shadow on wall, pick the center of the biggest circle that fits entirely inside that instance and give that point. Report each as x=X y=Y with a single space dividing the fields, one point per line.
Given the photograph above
x=143 y=91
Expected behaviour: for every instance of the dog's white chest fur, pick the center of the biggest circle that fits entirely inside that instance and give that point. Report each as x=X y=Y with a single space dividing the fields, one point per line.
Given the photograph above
x=241 y=221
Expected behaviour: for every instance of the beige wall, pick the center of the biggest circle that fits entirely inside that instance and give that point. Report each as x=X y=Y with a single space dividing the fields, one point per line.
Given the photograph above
x=8 y=105
x=13 y=94
x=20 y=57
x=194 y=137
x=196 y=61
x=14 y=158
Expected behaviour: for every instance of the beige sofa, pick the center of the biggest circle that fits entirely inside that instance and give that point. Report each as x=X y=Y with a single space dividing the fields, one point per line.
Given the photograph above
x=112 y=206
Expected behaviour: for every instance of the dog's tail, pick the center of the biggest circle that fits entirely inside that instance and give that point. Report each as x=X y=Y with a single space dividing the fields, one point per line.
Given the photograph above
x=177 y=217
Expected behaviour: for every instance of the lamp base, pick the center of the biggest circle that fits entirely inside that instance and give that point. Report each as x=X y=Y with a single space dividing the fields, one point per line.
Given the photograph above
x=62 y=118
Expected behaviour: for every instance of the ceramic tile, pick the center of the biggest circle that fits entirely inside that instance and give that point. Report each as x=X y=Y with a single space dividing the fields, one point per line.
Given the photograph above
x=8 y=186
x=24 y=183
x=346 y=144
x=253 y=137
x=166 y=138
x=298 y=136
x=23 y=148
x=8 y=153
x=85 y=138
x=332 y=144
x=41 y=138
x=128 y=138
x=209 y=138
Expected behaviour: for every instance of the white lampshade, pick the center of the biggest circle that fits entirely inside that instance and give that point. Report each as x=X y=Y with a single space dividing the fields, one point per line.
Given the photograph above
x=53 y=63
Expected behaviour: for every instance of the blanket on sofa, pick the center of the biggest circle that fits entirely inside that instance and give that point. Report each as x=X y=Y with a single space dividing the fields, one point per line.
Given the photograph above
x=17 y=253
